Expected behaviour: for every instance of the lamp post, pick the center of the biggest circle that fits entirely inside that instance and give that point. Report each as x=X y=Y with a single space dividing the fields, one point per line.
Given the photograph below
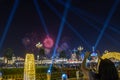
x=106 y=51
x=38 y=45
x=80 y=48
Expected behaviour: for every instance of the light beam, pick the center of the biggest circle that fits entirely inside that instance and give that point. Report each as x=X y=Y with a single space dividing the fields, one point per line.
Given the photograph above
x=69 y=26
x=106 y=23
x=60 y=29
x=41 y=16
x=8 y=23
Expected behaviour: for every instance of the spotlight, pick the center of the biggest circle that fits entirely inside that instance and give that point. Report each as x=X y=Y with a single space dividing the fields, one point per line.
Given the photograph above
x=64 y=77
x=49 y=71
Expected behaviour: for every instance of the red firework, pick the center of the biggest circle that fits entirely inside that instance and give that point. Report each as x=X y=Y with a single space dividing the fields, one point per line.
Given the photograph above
x=48 y=42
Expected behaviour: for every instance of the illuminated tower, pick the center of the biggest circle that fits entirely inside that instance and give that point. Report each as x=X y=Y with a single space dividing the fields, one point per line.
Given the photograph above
x=29 y=67
x=74 y=56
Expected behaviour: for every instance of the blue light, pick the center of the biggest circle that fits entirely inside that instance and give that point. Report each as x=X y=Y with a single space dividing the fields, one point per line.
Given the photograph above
x=49 y=71
x=93 y=54
x=97 y=28
x=82 y=55
x=7 y=26
x=68 y=25
x=60 y=30
x=64 y=77
x=106 y=23
x=79 y=11
x=41 y=16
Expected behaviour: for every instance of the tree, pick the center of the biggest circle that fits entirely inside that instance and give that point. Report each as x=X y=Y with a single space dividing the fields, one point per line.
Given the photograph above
x=78 y=54
x=41 y=54
x=8 y=54
x=62 y=54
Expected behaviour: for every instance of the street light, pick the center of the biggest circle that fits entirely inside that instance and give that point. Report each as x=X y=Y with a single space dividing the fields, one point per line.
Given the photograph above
x=38 y=45
x=106 y=51
x=80 y=48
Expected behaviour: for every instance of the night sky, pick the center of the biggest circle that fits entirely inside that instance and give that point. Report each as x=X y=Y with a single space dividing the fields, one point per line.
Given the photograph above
x=86 y=17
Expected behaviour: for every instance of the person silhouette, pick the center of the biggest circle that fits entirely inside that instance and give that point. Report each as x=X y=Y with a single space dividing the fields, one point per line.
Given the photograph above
x=106 y=70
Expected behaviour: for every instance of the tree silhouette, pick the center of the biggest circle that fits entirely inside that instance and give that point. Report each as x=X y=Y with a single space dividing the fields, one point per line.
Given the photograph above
x=62 y=54
x=41 y=54
x=8 y=54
